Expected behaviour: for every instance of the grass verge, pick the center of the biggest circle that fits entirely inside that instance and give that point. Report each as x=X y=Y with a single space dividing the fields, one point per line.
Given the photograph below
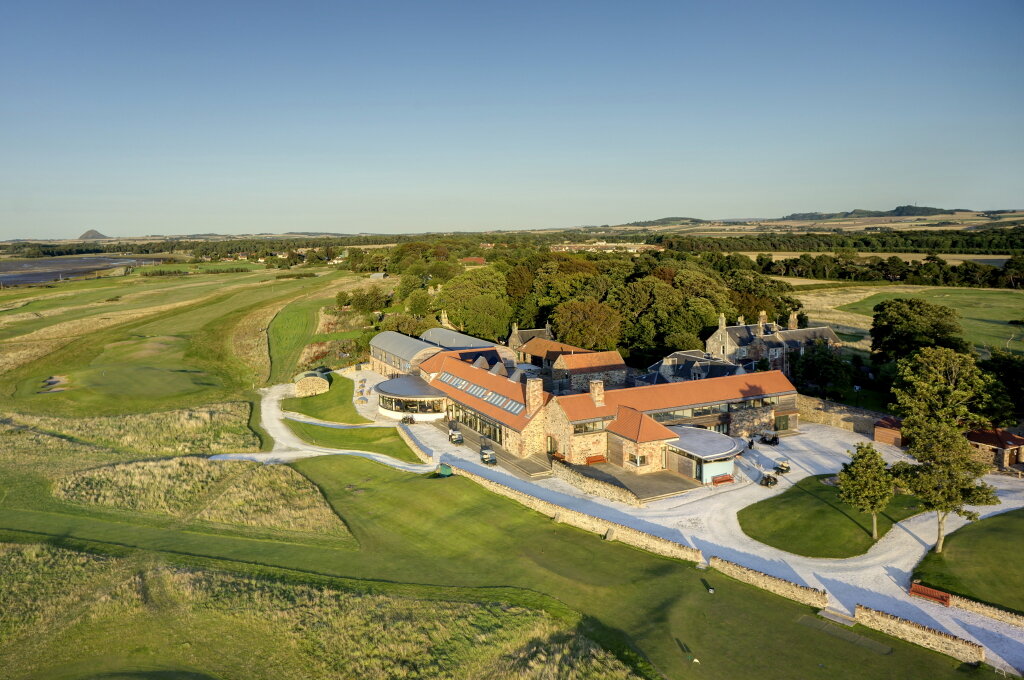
x=809 y=519
x=377 y=439
x=334 y=405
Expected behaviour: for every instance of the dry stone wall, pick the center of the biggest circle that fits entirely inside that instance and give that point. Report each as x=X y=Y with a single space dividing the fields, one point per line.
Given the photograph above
x=958 y=648
x=793 y=591
x=593 y=486
x=751 y=421
x=311 y=385
x=823 y=412
x=403 y=432
x=987 y=610
x=610 y=530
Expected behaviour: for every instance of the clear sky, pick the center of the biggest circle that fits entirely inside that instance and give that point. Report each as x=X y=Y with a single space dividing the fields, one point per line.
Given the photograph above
x=145 y=117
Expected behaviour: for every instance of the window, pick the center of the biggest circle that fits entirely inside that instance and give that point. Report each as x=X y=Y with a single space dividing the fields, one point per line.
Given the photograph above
x=781 y=423
x=592 y=426
x=411 y=405
x=663 y=416
x=753 y=403
x=637 y=460
x=774 y=353
x=476 y=422
x=741 y=352
x=720 y=427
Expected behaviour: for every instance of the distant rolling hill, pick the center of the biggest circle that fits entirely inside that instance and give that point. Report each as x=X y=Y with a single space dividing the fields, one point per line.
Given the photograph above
x=898 y=211
x=92 y=235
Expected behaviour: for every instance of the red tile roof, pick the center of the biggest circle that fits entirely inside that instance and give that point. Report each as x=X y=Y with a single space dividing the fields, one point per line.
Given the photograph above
x=591 y=362
x=549 y=349
x=677 y=395
x=495 y=383
x=433 y=364
x=634 y=425
x=997 y=438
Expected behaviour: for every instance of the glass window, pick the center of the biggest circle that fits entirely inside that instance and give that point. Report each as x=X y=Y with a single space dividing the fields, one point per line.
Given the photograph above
x=637 y=459
x=593 y=426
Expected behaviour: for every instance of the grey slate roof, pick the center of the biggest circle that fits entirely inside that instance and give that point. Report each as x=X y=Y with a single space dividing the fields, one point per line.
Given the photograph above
x=449 y=339
x=402 y=346
x=408 y=386
x=707 y=445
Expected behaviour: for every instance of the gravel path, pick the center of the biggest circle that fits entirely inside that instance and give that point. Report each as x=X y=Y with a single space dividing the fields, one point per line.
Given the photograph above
x=706 y=519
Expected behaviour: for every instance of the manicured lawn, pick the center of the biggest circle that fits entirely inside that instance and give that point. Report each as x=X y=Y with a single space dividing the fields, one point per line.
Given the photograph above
x=377 y=439
x=979 y=561
x=452 y=533
x=334 y=405
x=809 y=519
x=984 y=313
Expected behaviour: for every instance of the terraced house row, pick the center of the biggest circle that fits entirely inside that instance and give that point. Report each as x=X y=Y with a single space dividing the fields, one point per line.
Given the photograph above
x=448 y=377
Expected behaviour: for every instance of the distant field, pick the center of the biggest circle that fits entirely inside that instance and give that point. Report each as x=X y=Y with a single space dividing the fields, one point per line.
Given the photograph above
x=984 y=313
x=951 y=258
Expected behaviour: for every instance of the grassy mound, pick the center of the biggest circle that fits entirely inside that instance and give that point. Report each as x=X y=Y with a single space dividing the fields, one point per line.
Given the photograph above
x=119 y=618
x=809 y=519
x=224 y=492
x=376 y=439
x=974 y=560
x=334 y=405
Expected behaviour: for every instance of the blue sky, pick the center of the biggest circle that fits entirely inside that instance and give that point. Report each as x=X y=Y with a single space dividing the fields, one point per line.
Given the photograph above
x=236 y=117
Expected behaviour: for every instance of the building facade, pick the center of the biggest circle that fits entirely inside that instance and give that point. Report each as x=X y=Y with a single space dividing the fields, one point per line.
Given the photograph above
x=749 y=344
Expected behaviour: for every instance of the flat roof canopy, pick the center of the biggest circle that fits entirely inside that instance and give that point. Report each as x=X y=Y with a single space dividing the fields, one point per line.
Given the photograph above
x=704 y=444
x=408 y=386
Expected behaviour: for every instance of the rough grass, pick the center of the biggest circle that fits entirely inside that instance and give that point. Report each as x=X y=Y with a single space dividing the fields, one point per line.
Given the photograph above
x=73 y=616
x=376 y=439
x=334 y=405
x=226 y=492
x=215 y=428
x=974 y=561
x=984 y=313
x=809 y=519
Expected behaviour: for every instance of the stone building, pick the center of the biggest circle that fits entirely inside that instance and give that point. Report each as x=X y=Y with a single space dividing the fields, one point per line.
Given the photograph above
x=997 y=447
x=542 y=352
x=747 y=344
x=447 y=338
x=574 y=372
x=519 y=336
x=691 y=364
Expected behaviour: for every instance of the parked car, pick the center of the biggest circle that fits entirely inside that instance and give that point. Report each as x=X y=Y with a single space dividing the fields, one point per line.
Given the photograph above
x=487 y=456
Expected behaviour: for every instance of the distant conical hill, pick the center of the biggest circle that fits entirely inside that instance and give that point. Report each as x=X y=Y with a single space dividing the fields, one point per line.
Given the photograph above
x=91 y=235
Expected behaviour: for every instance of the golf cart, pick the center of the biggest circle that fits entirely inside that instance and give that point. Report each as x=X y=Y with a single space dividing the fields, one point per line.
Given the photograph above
x=487 y=456
x=454 y=436
x=770 y=438
x=782 y=467
x=769 y=480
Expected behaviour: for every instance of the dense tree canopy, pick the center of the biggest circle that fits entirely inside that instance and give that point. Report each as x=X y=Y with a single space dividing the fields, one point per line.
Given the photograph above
x=902 y=326
x=587 y=323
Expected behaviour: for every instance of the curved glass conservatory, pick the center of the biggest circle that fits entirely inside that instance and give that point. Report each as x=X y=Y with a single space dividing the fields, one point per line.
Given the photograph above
x=409 y=396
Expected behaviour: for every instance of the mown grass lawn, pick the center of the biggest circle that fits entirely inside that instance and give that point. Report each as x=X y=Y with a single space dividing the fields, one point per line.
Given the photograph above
x=984 y=313
x=335 y=405
x=377 y=439
x=809 y=519
x=461 y=541
x=979 y=562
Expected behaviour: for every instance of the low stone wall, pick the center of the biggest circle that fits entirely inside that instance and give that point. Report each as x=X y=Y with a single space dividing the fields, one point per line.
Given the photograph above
x=986 y=610
x=824 y=412
x=593 y=486
x=403 y=432
x=610 y=530
x=773 y=584
x=958 y=648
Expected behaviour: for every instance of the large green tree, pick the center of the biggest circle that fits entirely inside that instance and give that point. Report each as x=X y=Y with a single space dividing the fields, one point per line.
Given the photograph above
x=458 y=296
x=866 y=484
x=821 y=369
x=902 y=326
x=587 y=323
x=938 y=391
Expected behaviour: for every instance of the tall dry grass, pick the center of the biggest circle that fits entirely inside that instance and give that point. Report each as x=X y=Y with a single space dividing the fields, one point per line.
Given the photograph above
x=214 y=428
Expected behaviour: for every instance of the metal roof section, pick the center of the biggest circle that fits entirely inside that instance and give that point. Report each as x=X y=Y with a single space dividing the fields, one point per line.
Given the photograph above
x=449 y=339
x=400 y=345
x=408 y=386
x=707 y=445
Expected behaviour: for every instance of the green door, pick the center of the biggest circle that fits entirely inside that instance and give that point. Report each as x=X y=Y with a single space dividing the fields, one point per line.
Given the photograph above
x=781 y=423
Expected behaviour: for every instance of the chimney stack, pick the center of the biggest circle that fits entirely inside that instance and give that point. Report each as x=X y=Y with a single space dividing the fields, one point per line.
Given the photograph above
x=762 y=319
x=793 y=324
x=534 y=395
x=721 y=321
x=597 y=392
x=740 y=321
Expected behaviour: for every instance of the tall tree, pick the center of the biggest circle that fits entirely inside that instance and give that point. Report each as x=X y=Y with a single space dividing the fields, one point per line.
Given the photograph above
x=937 y=392
x=866 y=484
x=587 y=323
x=902 y=326
x=822 y=369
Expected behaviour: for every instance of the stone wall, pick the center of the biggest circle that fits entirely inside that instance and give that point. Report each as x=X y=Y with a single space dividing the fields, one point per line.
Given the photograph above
x=823 y=412
x=610 y=530
x=751 y=421
x=311 y=386
x=580 y=382
x=987 y=610
x=793 y=591
x=593 y=486
x=958 y=648
x=403 y=432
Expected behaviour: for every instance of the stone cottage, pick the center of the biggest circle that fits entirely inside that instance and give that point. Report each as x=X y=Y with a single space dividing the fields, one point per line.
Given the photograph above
x=747 y=344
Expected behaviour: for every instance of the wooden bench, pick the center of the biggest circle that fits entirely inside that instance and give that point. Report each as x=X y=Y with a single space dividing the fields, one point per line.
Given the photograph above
x=926 y=593
x=596 y=459
x=722 y=479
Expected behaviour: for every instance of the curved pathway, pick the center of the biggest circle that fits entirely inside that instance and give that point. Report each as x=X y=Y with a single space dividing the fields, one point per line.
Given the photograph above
x=706 y=519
